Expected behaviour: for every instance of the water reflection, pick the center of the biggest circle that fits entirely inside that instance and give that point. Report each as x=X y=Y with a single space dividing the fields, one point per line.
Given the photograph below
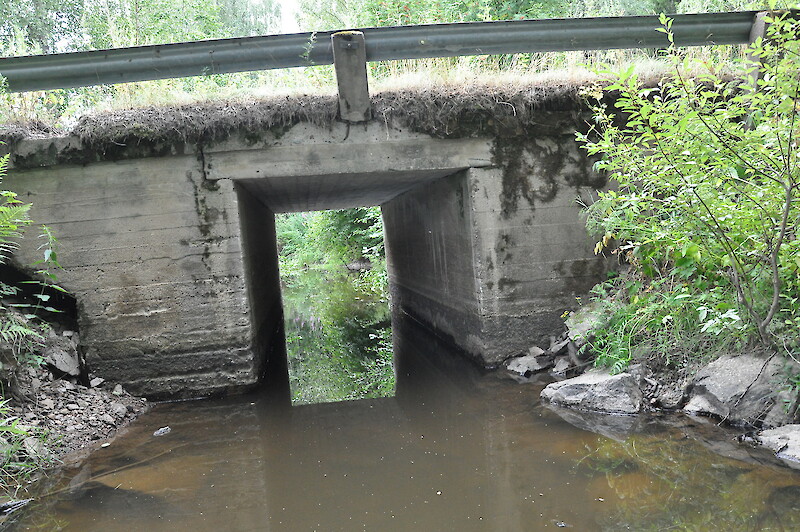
x=455 y=449
x=338 y=338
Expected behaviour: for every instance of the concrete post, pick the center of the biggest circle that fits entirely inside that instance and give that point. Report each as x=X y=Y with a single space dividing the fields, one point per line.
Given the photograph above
x=350 y=62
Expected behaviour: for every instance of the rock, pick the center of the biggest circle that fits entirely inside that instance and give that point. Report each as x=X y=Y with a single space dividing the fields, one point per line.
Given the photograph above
x=739 y=389
x=61 y=354
x=781 y=412
x=35 y=449
x=73 y=406
x=556 y=346
x=106 y=418
x=529 y=364
x=162 y=431
x=582 y=323
x=47 y=403
x=97 y=381
x=784 y=441
x=118 y=390
x=118 y=409
x=561 y=366
x=536 y=351
x=599 y=391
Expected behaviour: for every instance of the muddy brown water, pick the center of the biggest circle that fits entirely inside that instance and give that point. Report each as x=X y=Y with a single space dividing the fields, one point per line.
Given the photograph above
x=455 y=449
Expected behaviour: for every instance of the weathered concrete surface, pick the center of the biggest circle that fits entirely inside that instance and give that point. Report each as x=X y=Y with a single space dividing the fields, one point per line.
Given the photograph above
x=530 y=255
x=153 y=254
x=170 y=250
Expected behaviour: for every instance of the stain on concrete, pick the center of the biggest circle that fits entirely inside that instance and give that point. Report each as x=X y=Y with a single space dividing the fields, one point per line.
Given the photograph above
x=583 y=274
x=505 y=282
x=503 y=246
x=526 y=162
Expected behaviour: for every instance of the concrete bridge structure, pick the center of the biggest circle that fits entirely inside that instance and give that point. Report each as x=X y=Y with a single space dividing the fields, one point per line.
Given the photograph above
x=170 y=247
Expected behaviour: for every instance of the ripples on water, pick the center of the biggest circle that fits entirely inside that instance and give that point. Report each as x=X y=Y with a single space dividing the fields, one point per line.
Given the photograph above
x=454 y=449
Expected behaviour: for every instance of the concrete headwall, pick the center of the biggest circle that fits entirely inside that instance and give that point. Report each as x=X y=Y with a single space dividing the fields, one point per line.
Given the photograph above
x=171 y=254
x=153 y=255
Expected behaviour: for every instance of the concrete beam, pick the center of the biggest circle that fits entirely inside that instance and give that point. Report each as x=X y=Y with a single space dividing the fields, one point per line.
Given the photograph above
x=350 y=62
x=331 y=158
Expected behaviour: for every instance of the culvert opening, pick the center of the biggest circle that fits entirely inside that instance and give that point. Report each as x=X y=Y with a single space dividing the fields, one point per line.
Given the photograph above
x=335 y=300
x=274 y=206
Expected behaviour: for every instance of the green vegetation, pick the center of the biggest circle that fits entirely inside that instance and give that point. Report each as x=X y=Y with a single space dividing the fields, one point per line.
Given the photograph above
x=20 y=336
x=707 y=212
x=338 y=328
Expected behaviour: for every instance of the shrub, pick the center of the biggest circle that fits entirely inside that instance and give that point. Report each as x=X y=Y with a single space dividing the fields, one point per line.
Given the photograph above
x=708 y=204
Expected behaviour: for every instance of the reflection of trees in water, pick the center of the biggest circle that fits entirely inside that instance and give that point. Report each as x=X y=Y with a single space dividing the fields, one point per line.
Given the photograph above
x=338 y=338
x=664 y=482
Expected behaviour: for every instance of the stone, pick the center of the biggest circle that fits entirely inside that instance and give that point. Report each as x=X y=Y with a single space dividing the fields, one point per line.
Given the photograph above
x=162 y=431
x=35 y=449
x=61 y=354
x=529 y=364
x=118 y=390
x=106 y=418
x=95 y=382
x=561 y=366
x=582 y=323
x=73 y=406
x=535 y=350
x=598 y=391
x=739 y=389
x=118 y=409
x=784 y=441
x=47 y=403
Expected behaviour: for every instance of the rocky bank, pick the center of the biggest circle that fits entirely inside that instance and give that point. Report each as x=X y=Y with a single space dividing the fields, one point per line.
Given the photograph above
x=73 y=417
x=52 y=397
x=750 y=390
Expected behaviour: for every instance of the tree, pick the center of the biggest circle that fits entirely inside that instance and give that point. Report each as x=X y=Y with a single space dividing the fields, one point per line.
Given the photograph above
x=45 y=25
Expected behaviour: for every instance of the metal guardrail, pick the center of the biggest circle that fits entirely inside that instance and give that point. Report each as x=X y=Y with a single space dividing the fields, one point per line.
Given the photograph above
x=122 y=65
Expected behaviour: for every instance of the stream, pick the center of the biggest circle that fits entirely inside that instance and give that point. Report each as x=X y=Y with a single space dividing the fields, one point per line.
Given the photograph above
x=450 y=447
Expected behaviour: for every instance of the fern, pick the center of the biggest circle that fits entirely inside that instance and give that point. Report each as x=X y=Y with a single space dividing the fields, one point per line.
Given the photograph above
x=12 y=330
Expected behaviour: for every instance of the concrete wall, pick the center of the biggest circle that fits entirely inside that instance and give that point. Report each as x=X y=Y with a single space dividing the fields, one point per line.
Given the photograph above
x=152 y=253
x=170 y=250
x=493 y=256
x=430 y=248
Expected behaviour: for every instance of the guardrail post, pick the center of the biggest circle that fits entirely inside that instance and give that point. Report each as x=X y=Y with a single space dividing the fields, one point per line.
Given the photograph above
x=350 y=62
x=759 y=31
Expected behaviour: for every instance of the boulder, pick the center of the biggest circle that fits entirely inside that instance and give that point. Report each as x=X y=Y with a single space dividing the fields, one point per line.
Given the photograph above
x=784 y=441
x=598 y=391
x=739 y=389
